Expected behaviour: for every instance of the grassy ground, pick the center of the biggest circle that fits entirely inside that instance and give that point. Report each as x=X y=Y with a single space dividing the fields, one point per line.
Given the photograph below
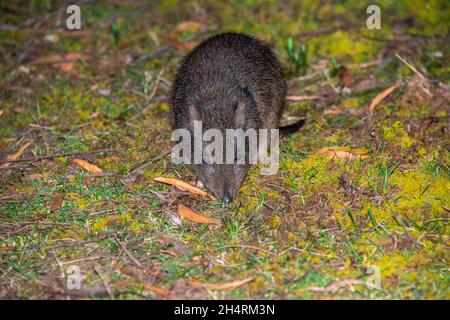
x=313 y=231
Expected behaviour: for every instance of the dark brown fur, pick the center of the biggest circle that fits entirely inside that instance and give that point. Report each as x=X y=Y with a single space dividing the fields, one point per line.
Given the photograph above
x=229 y=81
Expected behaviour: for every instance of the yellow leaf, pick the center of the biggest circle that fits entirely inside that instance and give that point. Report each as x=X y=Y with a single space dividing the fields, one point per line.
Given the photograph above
x=344 y=153
x=16 y=155
x=188 y=214
x=383 y=94
x=184 y=186
x=87 y=166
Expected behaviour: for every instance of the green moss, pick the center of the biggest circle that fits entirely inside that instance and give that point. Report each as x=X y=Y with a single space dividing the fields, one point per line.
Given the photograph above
x=419 y=191
x=397 y=135
x=346 y=45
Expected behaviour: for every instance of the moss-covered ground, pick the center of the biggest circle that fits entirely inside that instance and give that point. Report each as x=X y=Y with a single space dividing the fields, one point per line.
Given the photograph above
x=318 y=229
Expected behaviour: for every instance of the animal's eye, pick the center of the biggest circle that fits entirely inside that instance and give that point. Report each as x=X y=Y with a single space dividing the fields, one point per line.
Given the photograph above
x=209 y=169
x=235 y=106
x=208 y=165
x=206 y=162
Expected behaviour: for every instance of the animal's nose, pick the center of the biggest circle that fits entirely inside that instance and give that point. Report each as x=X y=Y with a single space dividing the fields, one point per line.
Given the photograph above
x=226 y=199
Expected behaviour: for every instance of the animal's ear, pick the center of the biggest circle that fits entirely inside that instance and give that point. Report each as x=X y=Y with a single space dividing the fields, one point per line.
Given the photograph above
x=239 y=115
x=193 y=114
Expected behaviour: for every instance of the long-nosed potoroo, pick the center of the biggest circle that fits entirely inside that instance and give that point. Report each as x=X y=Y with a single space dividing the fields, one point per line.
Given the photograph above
x=229 y=81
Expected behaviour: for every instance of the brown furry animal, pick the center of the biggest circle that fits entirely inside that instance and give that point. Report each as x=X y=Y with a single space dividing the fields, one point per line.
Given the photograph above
x=229 y=81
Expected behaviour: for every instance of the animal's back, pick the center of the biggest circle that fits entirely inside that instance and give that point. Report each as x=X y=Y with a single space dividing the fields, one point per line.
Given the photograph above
x=224 y=65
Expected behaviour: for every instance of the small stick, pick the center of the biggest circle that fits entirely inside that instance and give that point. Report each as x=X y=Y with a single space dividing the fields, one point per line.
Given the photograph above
x=364 y=65
x=105 y=284
x=15 y=167
x=63 y=276
x=410 y=66
x=309 y=76
x=416 y=72
x=146 y=164
x=245 y=246
x=35 y=159
x=94 y=175
x=83 y=259
x=98 y=292
x=127 y=252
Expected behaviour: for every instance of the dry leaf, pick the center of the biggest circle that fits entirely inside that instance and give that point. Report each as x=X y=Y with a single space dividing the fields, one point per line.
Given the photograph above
x=187 y=25
x=344 y=153
x=57 y=203
x=94 y=115
x=59 y=58
x=333 y=110
x=33 y=176
x=157 y=290
x=1 y=112
x=364 y=65
x=302 y=98
x=24 y=69
x=226 y=286
x=383 y=94
x=187 y=213
x=184 y=186
x=345 y=77
x=87 y=166
x=66 y=67
x=65 y=63
x=180 y=46
x=16 y=155
x=335 y=286
x=74 y=33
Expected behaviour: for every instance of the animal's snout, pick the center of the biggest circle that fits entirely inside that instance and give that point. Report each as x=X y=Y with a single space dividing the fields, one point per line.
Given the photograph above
x=226 y=199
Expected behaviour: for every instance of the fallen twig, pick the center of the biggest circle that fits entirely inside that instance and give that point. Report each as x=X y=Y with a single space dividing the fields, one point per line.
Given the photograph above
x=63 y=276
x=35 y=159
x=164 y=49
x=136 y=262
x=416 y=72
x=325 y=31
x=146 y=164
x=15 y=167
x=335 y=286
x=98 y=292
x=364 y=65
x=105 y=284
x=245 y=246
x=94 y=175
x=410 y=66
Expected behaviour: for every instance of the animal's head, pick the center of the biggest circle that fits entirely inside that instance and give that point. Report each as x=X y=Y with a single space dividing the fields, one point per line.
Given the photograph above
x=222 y=179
